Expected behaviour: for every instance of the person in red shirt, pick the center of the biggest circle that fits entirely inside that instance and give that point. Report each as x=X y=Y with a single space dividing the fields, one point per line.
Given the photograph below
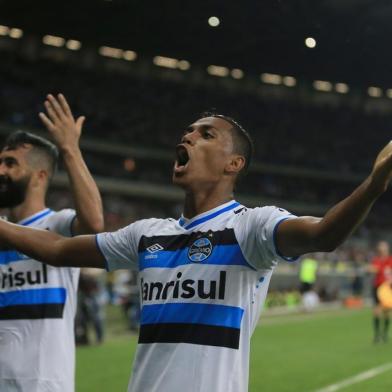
x=379 y=265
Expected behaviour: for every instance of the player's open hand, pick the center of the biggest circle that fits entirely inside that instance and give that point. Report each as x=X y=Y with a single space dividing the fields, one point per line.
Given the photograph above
x=61 y=123
x=382 y=169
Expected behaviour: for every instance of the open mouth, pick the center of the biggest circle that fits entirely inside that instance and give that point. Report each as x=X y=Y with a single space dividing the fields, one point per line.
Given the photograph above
x=182 y=158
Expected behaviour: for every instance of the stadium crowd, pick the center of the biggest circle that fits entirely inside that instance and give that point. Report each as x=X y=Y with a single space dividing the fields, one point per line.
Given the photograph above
x=127 y=110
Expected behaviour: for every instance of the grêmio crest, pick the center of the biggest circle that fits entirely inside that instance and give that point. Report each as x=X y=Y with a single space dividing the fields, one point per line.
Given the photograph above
x=200 y=250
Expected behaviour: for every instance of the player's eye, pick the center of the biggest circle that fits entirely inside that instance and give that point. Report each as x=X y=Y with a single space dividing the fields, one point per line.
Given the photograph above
x=208 y=135
x=9 y=162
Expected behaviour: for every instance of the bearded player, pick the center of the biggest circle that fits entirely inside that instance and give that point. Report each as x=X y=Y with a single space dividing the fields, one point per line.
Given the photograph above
x=204 y=277
x=38 y=301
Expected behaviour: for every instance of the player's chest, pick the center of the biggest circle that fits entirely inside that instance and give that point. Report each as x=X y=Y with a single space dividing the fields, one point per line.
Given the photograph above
x=18 y=271
x=196 y=248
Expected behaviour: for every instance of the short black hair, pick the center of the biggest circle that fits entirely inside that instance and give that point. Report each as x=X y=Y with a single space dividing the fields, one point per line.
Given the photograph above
x=44 y=147
x=242 y=141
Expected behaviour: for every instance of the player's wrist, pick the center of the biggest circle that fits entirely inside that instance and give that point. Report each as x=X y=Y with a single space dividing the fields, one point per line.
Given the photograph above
x=70 y=151
x=376 y=185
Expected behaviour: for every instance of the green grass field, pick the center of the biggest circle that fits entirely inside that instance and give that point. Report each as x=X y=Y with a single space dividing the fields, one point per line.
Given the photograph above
x=289 y=353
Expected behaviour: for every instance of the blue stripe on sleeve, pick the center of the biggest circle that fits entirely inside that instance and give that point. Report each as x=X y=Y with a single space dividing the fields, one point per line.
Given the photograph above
x=274 y=234
x=221 y=255
x=192 y=313
x=33 y=297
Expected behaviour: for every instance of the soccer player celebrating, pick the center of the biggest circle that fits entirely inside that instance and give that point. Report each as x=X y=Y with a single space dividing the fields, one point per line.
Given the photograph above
x=204 y=277
x=380 y=264
x=38 y=301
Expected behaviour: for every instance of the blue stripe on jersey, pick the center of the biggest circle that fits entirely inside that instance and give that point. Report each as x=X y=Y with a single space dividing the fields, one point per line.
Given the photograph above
x=35 y=218
x=221 y=255
x=192 y=313
x=208 y=217
x=55 y=295
x=9 y=256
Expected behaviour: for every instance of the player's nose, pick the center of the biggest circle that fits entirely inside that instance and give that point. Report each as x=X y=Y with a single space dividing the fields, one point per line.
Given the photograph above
x=189 y=138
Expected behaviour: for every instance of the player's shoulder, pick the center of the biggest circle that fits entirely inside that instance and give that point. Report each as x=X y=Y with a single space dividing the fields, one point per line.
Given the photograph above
x=151 y=226
x=262 y=212
x=65 y=213
x=58 y=221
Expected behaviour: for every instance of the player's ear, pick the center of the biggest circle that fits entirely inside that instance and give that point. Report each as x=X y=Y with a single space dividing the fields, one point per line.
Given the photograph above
x=235 y=164
x=41 y=177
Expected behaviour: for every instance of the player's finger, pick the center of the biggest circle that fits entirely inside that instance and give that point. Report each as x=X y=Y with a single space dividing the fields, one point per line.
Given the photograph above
x=80 y=121
x=46 y=120
x=51 y=112
x=64 y=105
x=56 y=106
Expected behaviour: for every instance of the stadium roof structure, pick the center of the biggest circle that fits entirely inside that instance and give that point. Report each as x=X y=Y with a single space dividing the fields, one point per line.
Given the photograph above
x=352 y=36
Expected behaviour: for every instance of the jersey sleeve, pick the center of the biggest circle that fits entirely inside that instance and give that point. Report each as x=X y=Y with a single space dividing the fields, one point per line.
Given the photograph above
x=120 y=248
x=256 y=232
x=61 y=222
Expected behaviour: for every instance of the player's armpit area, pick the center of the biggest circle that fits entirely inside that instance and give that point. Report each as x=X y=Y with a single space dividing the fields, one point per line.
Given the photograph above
x=298 y=236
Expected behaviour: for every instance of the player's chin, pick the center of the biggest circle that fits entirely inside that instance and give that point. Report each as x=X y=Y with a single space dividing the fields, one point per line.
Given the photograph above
x=180 y=179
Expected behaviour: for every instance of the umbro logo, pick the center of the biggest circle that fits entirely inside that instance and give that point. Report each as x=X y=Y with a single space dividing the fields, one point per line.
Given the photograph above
x=154 y=248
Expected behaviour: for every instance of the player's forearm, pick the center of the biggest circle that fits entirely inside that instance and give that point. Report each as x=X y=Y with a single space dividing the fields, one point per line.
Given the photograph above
x=39 y=244
x=310 y=234
x=51 y=248
x=342 y=219
x=87 y=199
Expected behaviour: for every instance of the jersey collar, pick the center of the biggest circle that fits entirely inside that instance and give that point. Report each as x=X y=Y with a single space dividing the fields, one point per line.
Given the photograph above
x=206 y=216
x=32 y=218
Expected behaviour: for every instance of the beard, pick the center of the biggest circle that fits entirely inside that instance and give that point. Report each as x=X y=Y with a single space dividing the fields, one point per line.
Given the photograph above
x=12 y=193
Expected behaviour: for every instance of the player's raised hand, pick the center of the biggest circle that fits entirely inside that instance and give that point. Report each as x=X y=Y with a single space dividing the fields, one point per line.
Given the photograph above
x=382 y=169
x=61 y=123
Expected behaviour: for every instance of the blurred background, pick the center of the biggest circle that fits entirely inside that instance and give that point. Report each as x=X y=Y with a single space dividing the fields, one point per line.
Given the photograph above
x=310 y=81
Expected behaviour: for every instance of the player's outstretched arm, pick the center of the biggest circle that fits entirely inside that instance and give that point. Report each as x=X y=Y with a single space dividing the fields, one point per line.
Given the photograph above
x=52 y=248
x=66 y=132
x=309 y=234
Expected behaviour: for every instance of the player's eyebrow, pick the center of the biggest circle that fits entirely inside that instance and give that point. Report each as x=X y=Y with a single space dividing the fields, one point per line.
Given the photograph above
x=191 y=127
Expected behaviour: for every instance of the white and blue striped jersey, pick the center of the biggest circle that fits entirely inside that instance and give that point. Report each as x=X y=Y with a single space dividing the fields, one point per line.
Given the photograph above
x=37 y=309
x=203 y=283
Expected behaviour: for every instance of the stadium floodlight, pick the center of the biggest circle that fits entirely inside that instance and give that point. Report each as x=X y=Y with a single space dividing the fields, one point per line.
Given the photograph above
x=322 y=85
x=73 y=44
x=374 y=92
x=4 y=30
x=289 y=81
x=388 y=93
x=15 y=33
x=217 y=70
x=271 y=78
x=237 y=73
x=213 y=21
x=53 y=40
x=108 y=51
x=166 y=62
x=310 y=42
x=183 y=65
x=341 y=88
x=129 y=55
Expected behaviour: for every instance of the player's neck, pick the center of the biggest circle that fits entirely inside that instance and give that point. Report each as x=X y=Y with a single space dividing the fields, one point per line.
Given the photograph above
x=29 y=207
x=200 y=202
